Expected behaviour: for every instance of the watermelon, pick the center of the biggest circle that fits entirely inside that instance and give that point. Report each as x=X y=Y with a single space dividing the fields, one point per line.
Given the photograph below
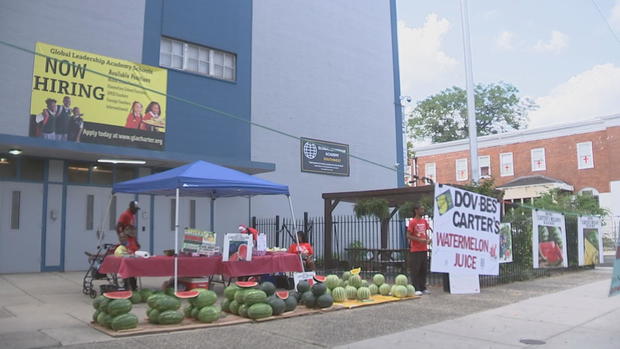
x=341 y=283
x=97 y=301
x=363 y=293
x=324 y=301
x=259 y=311
x=364 y=283
x=200 y=289
x=346 y=275
x=118 y=295
x=145 y=293
x=167 y=303
x=170 y=317
x=104 y=319
x=208 y=314
x=154 y=316
x=135 y=298
x=255 y=296
x=319 y=278
x=204 y=299
x=308 y=299
x=278 y=306
x=152 y=300
x=195 y=312
x=401 y=279
x=332 y=281
x=233 y=307
x=319 y=289
x=339 y=294
x=374 y=289
x=246 y=284
x=303 y=287
x=226 y=305
x=400 y=291
x=187 y=294
x=282 y=295
x=97 y=312
x=229 y=292
x=378 y=279
x=392 y=289
x=410 y=291
x=295 y=294
x=291 y=303
x=124 y=322
x=356 y=271
x=187 y=311
x=103 y=305
x=118 y=307
x=240 y=295
x=268 y=287
x=384 y=289
x=351 y=292
x=355 y=281
x=243 y=310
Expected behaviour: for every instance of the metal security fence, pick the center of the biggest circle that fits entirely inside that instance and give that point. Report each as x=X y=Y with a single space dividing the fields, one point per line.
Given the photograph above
x=356 y=242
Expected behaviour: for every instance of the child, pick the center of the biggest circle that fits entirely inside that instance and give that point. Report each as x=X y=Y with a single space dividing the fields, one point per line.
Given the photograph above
x=304 y=249
x=122 y=251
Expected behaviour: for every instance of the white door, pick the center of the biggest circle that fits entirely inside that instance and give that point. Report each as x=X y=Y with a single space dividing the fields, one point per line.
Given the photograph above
x=21 y=210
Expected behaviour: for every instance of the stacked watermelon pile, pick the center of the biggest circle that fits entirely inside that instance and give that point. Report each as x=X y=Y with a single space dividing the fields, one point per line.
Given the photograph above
x=112 y=311
x=163 y=309
x=251 y=300
x=202 y=307
x=316 y=296
x=353 y=287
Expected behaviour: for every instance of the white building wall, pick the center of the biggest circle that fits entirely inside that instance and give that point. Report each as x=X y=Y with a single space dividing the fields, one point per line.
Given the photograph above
x=322 y=70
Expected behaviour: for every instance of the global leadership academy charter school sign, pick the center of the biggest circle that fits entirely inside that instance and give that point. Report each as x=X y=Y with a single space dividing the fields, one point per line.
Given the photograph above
x=109 y=111
x=466 y=237
x=324 y=157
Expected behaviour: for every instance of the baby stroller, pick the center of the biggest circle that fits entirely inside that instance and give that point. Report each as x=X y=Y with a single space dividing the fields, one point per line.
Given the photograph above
x=95 y=260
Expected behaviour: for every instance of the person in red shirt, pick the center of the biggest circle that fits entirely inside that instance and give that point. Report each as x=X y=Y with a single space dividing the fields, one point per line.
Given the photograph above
x=304 y=249
x=419 y=239
x=127 y=224
x=134 y=119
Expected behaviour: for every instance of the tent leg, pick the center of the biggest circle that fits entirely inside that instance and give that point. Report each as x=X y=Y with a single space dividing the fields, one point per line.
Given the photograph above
x=212 y=213
x=176 y=242
x=100 y=230
x=290 y=204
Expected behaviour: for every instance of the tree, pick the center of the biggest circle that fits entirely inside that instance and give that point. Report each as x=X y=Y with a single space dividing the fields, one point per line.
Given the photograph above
x=443 y=117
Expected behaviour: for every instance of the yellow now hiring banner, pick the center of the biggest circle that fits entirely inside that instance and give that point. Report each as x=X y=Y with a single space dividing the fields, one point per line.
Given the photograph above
x=78 y=96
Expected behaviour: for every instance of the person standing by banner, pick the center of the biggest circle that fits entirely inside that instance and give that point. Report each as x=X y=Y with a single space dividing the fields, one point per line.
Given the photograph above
x=62 y=119
x=48 y=122
x=419 y=239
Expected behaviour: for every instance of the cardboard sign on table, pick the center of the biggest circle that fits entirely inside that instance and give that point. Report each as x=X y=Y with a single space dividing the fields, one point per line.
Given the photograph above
x=261 y=242
x=237 y=247
x=194 y=240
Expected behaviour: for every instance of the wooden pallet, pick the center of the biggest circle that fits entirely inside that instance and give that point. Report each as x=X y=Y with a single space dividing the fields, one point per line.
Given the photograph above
x=145 y=327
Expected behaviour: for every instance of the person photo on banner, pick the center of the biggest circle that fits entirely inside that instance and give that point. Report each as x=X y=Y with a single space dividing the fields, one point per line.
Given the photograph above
x=62 y=119
x=418 y=235
x=48 y=121
x=153 y=112
x=304 y=249
x=134 y=119
x=76 y=125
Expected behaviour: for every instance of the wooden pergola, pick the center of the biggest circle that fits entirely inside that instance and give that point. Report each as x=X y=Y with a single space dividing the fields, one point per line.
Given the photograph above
x=395 y=198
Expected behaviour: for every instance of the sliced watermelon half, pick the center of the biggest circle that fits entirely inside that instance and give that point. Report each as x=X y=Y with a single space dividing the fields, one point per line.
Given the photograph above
x=246 y=284
x=320 y=278
x=283 y=295
x=187 y=294
x=118 y=295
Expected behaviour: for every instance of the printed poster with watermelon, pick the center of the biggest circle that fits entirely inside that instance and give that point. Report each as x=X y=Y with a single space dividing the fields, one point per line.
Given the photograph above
x=237 y=247
x=589 y=240
x=549 y=240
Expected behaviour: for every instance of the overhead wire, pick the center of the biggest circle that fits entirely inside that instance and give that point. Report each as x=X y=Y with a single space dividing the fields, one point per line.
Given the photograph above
x=194 y=104
x=611 y=29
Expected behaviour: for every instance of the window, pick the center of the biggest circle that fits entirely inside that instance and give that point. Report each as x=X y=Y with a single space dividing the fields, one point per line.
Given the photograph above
x=32 y=169
x=461 y=169
x=112 y=214
x=484 y=164
x=192 y=214
x=78 y=172
x=15 y=208
x=506 y=165
x=8 y=167
x=430 y=171
x=90 y=211
x=124 y=173
x=538 y=159
x=585 y=158
x=198 y=59
x=101 y=174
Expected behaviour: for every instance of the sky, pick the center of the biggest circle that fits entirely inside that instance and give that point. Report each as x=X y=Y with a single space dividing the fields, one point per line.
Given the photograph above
x=560 y=53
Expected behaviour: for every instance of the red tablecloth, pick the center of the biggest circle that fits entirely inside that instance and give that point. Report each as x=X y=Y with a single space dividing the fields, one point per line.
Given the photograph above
x=200 y=266
x=127 y=267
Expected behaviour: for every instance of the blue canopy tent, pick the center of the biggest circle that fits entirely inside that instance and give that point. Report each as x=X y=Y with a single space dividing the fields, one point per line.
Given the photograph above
x=203 y=179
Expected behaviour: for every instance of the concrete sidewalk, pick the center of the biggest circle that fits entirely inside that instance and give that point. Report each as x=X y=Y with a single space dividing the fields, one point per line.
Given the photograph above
x=580 y=317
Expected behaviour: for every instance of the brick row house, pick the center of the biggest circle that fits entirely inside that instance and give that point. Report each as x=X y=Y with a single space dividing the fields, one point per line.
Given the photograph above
x=580 y=157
